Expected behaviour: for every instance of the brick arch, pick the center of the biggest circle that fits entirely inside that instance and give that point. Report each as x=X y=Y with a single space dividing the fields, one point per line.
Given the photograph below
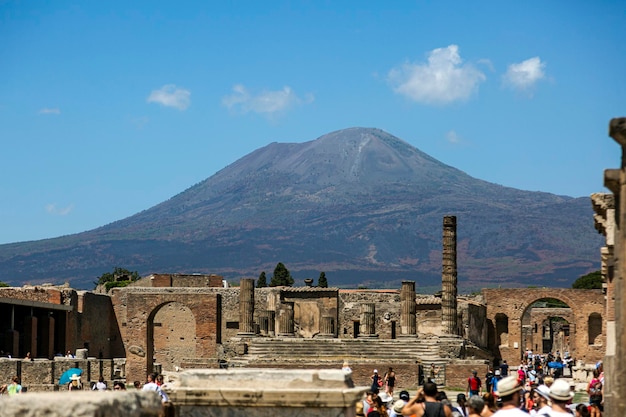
x=514 y=302
x=141 y=307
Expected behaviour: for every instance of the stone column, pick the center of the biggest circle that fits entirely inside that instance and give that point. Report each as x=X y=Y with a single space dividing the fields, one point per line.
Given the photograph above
x=615 y=180
x=271 y=323
x=368 y=320
x=30 y=335
x=263 y=324
x=327 y=327
x=408 y=324
x=285 y=320
x=246 y=307
x=448 y=278
x=47 y=330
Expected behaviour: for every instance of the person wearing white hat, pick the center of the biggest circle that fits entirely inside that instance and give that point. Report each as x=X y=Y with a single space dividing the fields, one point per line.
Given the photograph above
x=74 y=383
x=541 y=399
x=560 y=395
x=509 y=389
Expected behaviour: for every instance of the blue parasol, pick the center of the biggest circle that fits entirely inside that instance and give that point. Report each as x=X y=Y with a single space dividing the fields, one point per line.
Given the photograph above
x=65 y=378
x=555 y=364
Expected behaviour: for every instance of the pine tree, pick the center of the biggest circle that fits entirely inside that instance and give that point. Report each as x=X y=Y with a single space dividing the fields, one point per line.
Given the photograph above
x=281 y=277
x=262 y=281
x=322 y=282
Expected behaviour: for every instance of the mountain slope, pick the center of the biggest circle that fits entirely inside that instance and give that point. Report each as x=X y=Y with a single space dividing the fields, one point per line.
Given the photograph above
x=359 y=204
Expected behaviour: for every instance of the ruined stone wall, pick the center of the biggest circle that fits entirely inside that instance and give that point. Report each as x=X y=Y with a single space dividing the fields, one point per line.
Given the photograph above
x=36 y=293
x=429 y=315
x=474 y=318
x=98 y=330
x=457 y=372
x=387 y=311
x=510 y=305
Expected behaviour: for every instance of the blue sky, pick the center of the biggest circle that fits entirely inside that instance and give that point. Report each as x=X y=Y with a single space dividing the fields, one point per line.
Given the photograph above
x=108 y=108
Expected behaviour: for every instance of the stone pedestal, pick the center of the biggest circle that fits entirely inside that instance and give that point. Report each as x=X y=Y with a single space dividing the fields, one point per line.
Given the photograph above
x=84 y=404
x=265 y=393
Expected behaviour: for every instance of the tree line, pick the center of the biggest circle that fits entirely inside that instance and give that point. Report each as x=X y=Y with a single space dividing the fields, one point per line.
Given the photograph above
x=282 y=277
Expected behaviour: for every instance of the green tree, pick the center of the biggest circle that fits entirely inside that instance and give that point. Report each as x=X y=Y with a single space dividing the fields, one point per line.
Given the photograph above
x=120 y=277
x=322 y=282
x=281 y=277
x=4 y=284
x=262 y=281
x=591 y=281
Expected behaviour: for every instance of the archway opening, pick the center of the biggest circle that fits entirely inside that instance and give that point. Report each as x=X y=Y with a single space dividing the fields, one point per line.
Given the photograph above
x=548 y=327
x=171 y=336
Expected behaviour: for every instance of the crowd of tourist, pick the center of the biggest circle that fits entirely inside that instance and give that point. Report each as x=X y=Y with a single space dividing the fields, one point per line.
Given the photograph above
x=154 y=382
x=524 y=391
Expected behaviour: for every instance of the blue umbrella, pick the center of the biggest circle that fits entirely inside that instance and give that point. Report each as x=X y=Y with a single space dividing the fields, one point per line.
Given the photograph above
x=555 y=364
x=65 y=378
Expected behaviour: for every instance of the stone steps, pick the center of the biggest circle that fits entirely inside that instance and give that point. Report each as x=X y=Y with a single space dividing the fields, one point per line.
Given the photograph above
x=294 y=349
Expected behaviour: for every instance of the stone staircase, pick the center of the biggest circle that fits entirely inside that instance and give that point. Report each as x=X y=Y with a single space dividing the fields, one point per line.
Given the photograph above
x=426 y=350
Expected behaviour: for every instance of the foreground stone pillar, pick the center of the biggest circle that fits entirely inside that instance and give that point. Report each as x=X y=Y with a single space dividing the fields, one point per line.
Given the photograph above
x=285 y=321
x=368 y=320
x=408 y=324
x=604 y=221
x=615 y=180
x=83 y=404
x=265 y=393
x=449 y=277
x=246 y=307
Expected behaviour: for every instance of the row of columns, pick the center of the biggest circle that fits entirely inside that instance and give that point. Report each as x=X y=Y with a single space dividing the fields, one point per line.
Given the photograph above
x=285 y=320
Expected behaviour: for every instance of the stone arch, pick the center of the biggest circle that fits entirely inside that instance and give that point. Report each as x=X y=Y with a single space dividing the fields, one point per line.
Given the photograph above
x=513 y=303
x=594 y=328
x=171 y=335
x=143 y=304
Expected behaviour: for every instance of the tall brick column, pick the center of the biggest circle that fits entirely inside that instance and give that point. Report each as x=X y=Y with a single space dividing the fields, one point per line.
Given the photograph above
x=246 y=307
x=408 y=324
x=615 y=180
x=448 y=278
x=47 y=344
x=368 y=320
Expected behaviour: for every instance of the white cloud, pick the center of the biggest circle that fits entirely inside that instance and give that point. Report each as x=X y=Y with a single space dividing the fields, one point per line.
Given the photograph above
x=171 y=96
x=48 y=110
x=453 y=138
x=444 y=79
x=59 y=211
x=524 y=75
x=266 y=102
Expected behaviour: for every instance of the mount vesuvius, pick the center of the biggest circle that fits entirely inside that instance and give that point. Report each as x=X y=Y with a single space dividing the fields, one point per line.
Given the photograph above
x=359 y=204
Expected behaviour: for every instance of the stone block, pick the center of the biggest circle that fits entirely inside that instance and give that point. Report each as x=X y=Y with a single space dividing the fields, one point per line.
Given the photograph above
x=83 y=404
x=265 y=392
x=8 y=368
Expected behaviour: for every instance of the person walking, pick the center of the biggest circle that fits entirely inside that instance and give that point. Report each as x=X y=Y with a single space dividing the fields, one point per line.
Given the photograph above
x=474 y=384
x=390 y=381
